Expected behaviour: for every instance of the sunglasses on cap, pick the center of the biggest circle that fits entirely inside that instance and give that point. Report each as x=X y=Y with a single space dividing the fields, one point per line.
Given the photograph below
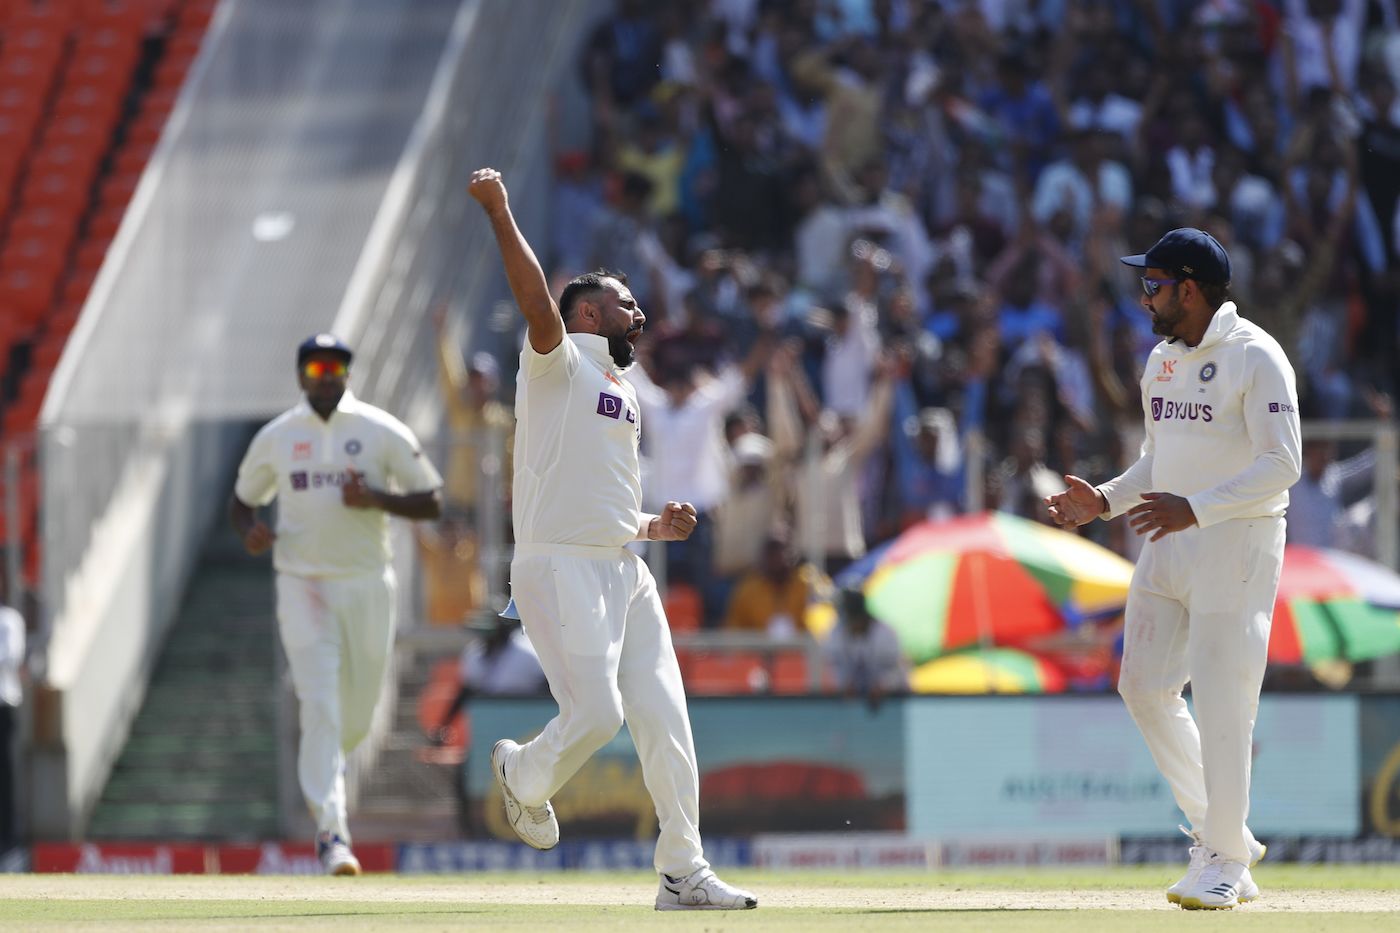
x=316 y=369
x=1150 y=287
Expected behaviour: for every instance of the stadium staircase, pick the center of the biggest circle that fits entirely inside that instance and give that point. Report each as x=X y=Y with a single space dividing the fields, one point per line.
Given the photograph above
x=201 y=762
x=411 y=792
x=85 y=90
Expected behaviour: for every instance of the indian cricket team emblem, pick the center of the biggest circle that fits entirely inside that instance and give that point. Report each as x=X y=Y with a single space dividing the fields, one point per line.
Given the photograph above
x=352 y=447
x=1208 y=372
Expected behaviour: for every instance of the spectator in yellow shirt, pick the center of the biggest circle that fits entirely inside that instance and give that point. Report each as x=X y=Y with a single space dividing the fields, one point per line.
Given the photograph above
x=775 y=595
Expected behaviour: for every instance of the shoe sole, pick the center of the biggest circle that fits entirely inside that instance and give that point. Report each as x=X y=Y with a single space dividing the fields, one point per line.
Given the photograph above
x=1263 y=851
x=507 y=798
x=345 y=871
x=1193 y=903
x=753 y=906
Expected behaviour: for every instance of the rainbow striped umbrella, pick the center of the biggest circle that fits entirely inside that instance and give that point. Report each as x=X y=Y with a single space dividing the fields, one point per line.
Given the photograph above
x=1334 y=605
x=988 y=670
x=990 y=579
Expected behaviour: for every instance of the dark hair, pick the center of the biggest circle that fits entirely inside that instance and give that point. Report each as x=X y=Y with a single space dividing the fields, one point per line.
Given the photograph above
x=582 y=285
x=1215 y=293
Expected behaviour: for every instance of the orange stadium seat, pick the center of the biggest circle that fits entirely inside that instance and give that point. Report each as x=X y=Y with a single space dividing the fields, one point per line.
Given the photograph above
x=26 y=292
x=683 y=607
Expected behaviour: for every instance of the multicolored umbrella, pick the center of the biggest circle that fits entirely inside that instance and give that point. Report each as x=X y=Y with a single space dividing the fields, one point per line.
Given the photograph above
x=988 y=670
x=1334 y=605
x=989 y=579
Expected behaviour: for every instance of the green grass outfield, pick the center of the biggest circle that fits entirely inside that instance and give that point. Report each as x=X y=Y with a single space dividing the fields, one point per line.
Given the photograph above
x=1295 y=898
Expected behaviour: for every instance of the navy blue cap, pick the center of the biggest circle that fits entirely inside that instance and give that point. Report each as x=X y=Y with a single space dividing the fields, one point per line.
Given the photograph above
x=1192 y=253
x=323 y=343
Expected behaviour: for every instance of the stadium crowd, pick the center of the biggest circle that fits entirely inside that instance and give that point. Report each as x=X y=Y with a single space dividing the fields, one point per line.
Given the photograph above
x=877 y=244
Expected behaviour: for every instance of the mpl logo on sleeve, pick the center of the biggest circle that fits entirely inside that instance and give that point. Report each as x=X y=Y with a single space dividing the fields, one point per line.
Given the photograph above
x=1167 y=372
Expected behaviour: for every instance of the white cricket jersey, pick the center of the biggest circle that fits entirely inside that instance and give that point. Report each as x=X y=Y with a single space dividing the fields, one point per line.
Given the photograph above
x=1222 y=425
x=301 y=459
x=577 y=464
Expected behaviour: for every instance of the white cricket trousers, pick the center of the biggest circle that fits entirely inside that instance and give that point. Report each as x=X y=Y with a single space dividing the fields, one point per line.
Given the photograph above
x=596 y=621
x=1199 y=609
x=338 y=633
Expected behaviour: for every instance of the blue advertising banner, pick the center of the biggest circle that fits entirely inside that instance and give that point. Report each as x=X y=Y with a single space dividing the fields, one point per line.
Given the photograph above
x=1078 y=766
x=1380 y=765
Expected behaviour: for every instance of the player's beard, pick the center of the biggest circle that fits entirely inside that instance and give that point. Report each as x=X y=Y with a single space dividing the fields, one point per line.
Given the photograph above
x=623 y=353
x=1166 y=320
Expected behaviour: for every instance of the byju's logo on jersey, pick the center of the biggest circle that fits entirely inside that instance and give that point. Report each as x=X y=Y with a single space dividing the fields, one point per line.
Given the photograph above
x=1167 y=410
x=609 y=406
x=1276 y=407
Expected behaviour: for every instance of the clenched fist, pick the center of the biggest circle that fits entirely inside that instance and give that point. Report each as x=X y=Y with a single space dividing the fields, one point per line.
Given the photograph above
x=488 y=189
x=675 y=523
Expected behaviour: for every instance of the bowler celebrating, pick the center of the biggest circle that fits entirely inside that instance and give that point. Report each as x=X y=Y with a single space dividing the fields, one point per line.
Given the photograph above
x=589 y=606
x=1210 y=489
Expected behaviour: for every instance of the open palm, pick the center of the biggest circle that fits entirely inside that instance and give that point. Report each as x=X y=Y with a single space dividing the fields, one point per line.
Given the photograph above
x=1079 y=504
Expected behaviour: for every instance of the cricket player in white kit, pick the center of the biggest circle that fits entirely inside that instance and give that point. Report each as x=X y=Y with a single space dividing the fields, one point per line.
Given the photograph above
x=589 y=606
x=1211 y=487
x=339 y=468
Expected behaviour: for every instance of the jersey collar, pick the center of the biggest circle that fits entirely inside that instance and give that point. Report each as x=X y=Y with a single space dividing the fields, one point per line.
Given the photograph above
x=1226 y=319
x=595 y=347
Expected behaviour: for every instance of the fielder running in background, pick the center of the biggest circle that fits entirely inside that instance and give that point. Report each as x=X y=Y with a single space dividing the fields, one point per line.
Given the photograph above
x=1211 y=487
x=340 y=467
x=590 y=606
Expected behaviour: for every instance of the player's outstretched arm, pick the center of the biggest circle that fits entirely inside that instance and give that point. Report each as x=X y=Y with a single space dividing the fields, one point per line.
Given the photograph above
x=523 y=272
x=1078 y=505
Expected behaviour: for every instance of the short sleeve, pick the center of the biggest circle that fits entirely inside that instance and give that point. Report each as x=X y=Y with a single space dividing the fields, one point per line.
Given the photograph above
x=564 y=359
x=408 y=466
x=257 y=474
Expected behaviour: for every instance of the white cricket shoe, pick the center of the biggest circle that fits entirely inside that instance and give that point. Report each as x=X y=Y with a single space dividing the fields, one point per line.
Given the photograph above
x=336 y=857
x=701 y=890
x=536 y=826
x=1222 y=885
x=1200 y=855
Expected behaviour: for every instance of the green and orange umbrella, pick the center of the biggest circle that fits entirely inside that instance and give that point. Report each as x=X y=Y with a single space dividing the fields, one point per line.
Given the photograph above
x=1333 y=605
x=989 y=670
x=987 y=579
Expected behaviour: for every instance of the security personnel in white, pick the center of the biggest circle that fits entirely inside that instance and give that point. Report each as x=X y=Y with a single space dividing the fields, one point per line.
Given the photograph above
x=1211 y=487
x=590 y=606
x=339 y=468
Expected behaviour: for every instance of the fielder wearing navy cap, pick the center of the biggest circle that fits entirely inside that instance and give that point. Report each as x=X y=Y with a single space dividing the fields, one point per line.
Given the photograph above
x=1191 y=253
x=323 y=343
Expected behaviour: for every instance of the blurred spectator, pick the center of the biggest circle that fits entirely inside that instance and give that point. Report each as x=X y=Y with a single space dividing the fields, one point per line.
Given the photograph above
x=498 y=661
x=480 y=428
x=454 y=583
x=775 y=595
x=927 y=459
x=11 y=697
x=748 y=515
x=828 y=512
x=862 y=654
x=1069 y=190
x=687 y=454
x=1320 y=503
